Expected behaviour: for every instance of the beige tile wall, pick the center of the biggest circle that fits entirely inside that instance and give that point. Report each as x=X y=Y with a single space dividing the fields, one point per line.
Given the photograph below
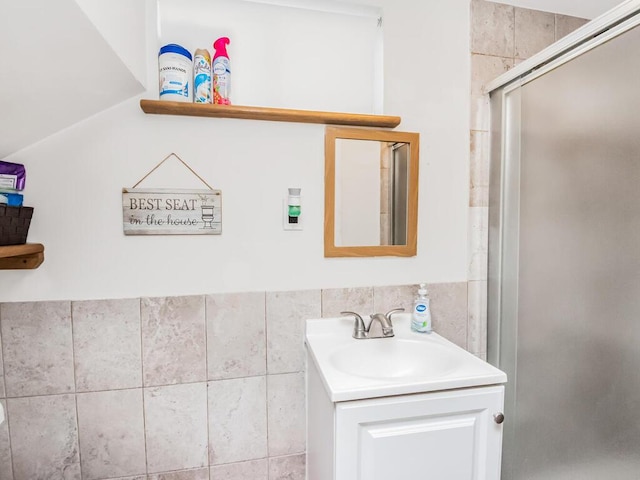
x=177 y=388
x=501 y=36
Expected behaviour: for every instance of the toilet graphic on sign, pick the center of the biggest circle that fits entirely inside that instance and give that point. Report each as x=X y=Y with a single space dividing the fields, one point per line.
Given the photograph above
x=207 y=216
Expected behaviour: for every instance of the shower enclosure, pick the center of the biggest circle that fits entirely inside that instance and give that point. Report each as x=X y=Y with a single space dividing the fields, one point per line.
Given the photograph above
x=564 y=257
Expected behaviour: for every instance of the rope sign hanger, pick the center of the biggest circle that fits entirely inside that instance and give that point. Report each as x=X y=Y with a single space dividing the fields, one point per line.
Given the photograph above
x=172 y=154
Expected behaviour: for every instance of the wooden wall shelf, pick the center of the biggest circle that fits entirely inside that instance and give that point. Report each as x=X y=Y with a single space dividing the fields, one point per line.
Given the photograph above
x=266 y=113
x=21 y=257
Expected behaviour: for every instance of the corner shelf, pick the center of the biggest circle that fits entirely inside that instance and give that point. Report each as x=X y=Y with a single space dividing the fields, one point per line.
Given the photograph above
x=21 y=257
x=266 y=113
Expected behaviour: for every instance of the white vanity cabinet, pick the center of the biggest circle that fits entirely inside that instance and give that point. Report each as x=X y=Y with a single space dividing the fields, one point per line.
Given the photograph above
x=410 y=407
x=446 y=435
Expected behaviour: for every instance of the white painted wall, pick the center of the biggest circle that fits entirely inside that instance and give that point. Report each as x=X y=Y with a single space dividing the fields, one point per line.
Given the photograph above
x=75 y=180
x=576 y=8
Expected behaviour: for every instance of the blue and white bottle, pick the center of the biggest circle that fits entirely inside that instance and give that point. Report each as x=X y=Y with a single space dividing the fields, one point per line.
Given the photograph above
x=421 y=317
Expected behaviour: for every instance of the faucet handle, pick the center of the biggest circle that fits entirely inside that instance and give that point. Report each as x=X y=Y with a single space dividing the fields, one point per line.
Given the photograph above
x=391 y=312
x=358 y=328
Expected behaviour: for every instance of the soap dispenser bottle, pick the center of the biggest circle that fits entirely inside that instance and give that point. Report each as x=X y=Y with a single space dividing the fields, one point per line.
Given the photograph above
x=421 y=317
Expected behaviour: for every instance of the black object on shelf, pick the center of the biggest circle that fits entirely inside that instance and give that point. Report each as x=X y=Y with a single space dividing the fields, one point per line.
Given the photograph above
x=14 y=224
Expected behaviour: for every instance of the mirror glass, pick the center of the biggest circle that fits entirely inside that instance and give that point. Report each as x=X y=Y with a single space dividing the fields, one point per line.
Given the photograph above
x=371 y=185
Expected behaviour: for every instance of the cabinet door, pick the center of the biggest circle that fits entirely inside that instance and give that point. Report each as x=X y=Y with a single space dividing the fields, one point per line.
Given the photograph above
x=437 y=436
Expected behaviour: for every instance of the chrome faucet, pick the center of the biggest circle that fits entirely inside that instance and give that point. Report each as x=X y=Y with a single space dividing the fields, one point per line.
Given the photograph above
x=361 y=332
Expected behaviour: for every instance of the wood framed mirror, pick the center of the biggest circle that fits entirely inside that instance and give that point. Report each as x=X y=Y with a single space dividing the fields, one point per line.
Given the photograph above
x=370 y=192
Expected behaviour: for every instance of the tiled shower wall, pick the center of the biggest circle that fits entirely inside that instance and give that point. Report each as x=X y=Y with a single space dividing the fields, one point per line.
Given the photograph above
x=180 y=388
x=501 y=37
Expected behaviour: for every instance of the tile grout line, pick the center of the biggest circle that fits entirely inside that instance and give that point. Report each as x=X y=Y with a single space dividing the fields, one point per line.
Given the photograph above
x=472 y=132
x=513 y=53
x=142 y=390
x=4 y=373
x=6 y=400
x=6 y=414
x=266 y=333
x=158 y=474
x=75 y=384
x=469 y=308
x=491 y=55
x=266 y=382
x=466 y=324
x=472 y=53
x=208 y=390
x=151 y=386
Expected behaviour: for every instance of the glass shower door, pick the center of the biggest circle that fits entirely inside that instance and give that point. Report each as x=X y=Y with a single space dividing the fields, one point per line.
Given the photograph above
x=569 y=264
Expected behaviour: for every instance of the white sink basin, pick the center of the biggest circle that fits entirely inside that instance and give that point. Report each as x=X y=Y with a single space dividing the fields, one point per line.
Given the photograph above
x=407 y=363
x=393 y=358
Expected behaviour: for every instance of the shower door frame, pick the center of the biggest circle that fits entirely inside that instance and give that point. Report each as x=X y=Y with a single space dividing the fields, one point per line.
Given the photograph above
x=504 y=206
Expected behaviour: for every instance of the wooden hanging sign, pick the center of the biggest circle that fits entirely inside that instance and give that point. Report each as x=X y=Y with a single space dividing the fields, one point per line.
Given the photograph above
x=167 y=211
x=148 y=211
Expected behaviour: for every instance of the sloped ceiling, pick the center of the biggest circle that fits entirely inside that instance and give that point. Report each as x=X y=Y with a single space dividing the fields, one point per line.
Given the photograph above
x=122 y=24
x=57 y=69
